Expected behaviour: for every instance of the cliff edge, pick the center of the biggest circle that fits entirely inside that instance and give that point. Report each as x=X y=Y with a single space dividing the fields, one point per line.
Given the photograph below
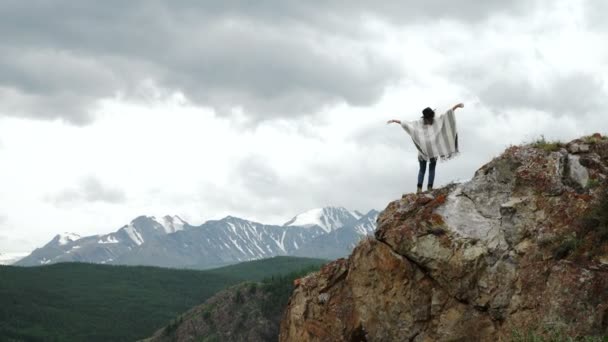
x=521 y=248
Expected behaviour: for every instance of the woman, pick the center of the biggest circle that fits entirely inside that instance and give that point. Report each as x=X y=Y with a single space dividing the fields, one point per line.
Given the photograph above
x=434 y=138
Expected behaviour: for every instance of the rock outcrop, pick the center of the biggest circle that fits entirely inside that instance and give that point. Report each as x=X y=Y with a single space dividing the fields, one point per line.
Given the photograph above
x=521 y=248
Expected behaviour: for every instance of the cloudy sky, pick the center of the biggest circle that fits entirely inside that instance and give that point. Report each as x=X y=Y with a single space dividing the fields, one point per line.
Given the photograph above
x=114 y=109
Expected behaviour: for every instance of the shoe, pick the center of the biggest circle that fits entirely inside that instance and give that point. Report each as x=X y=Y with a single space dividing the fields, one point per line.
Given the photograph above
x=419 y=190
x=429 y=188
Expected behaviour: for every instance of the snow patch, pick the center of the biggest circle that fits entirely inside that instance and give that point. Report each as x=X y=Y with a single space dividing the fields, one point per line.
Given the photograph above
x=356 y=214
x=328 y=218
x=108 y=239
x=170 y=224
x=281 y=242
x=235 y=243
x=367 y=225
x=66 y=238
x=134 y=234
x=232 y=228
x=307 y=218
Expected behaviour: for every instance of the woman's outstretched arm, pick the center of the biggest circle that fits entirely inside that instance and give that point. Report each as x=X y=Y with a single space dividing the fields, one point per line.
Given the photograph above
x=395 y=121
x=460 y=105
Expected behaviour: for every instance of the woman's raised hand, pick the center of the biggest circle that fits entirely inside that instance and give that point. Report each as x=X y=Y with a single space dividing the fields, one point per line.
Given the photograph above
x=391 y=121
x=460 y=105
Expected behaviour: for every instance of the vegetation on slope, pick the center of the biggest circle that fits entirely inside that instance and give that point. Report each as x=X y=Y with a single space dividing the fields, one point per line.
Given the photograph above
x=546 y=145
x=88 y=302
x=246 y=312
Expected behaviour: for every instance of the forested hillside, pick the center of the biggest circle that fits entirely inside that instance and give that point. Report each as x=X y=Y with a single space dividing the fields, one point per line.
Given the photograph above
x=88 y=302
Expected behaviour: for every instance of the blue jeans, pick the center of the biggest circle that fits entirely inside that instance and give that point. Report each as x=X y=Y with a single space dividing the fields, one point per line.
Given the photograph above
x=432 y=164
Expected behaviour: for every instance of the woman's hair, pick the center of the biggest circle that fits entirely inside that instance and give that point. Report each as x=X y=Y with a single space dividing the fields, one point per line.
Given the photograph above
x=427 y=116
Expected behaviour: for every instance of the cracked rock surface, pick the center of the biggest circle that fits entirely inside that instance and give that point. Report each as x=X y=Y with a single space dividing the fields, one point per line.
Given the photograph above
x=509 y=251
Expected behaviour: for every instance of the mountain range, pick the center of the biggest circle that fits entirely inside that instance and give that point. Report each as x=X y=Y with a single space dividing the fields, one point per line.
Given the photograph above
x=169 y=241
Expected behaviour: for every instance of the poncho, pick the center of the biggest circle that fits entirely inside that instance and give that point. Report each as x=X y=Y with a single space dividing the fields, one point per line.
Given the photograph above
x=439 y=140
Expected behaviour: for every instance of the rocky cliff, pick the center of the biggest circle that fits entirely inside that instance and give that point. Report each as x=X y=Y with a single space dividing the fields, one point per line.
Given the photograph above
x=521 y=248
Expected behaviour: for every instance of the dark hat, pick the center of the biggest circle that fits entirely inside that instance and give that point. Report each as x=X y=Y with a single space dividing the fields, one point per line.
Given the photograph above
x=428 y=112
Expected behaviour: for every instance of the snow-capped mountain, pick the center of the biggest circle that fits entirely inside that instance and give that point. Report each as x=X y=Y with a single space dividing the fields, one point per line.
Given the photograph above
x=215 y=243
x=103 y=248
x=341 y=241
x=65 y=238
x=366 y=224
x=171 y=242
x=328 y=218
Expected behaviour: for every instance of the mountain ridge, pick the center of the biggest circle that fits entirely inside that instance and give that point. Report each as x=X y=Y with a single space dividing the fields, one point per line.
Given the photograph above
x=169 y=241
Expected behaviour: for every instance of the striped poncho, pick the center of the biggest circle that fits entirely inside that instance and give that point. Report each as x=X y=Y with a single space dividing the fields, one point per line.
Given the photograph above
x=437 y=140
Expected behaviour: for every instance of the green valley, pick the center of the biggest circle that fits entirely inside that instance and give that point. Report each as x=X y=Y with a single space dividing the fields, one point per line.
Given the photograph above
x=90 y=302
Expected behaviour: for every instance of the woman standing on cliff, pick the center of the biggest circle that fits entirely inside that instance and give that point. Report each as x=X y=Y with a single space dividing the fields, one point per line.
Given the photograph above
x=434 y=138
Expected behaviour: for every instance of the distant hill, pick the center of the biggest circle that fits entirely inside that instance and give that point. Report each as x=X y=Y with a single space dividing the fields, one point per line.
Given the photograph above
x=169 y=241
x=89 y=302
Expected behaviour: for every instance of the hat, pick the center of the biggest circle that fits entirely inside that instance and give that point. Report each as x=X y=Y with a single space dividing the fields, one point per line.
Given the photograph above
x=428 y=112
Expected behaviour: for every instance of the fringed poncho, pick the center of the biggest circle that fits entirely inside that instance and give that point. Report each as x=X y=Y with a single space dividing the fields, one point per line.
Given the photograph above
x=439 y=140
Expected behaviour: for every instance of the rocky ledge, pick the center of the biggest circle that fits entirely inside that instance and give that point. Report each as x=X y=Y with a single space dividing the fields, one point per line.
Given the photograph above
x=521 y=248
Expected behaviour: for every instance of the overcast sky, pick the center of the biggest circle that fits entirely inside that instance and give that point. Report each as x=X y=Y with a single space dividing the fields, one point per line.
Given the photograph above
x=262 y=110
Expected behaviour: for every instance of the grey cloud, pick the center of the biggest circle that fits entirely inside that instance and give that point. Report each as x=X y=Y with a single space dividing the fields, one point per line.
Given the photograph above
x=89 y=190
x=47 y=83
x=69 y=106
x=258 y=177
x=338 y=12
x=576 y=93
x=275 y=75
x=269 y=57
x=595 y=12
x=506 y=83
x=408 y=11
